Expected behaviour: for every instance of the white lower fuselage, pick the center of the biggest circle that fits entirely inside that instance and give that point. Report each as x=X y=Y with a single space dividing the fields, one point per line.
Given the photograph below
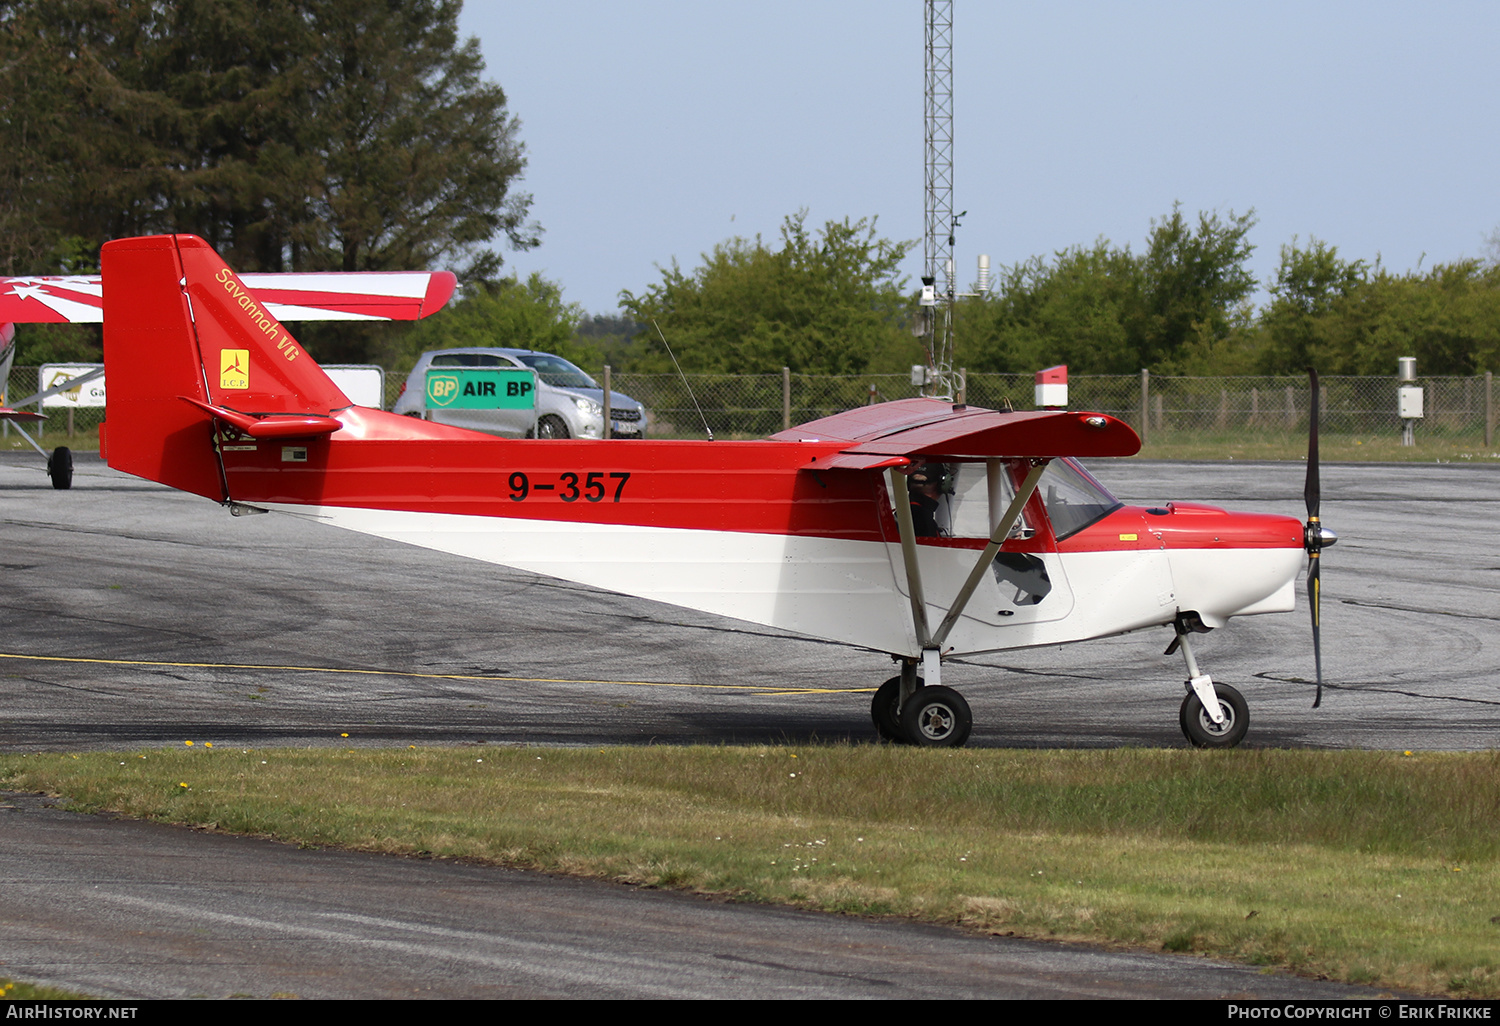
x=855 y=592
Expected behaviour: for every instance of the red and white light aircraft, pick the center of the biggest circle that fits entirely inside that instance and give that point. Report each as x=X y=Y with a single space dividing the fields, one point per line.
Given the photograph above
x=918 y=528
x=324 y=296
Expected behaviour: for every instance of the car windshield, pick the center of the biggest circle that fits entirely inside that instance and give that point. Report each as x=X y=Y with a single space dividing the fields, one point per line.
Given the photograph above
x=469 y=360
x=556 y=371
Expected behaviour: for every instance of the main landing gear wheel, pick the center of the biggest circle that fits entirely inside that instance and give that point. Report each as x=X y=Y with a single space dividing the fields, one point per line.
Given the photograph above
x=60 y=468
x=1203 y=732
x=883 y=710
x=936 y=717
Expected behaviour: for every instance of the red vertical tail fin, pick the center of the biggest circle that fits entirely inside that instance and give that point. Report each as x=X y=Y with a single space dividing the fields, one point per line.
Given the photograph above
x=182 y=337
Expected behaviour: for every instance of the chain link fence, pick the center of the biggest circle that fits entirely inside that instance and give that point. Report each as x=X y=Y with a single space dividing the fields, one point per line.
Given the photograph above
x=756 y=405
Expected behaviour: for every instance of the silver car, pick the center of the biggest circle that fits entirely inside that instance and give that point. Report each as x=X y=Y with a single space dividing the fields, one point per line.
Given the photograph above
x=569 y=403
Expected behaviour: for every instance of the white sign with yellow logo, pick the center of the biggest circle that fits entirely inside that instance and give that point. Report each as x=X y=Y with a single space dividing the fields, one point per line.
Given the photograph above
x=90 y=393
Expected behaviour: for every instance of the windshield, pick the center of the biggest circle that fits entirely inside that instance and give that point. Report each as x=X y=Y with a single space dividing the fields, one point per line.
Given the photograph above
x=556 y=371
x=1073 y=498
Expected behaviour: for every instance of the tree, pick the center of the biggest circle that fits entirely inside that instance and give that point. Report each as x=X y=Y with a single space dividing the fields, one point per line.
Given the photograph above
x=1193 y=286
x=292 y=134
x=824 y=305
x=1075 y=310
x=1181 y=304
x=1311 y=285
x=418 y=153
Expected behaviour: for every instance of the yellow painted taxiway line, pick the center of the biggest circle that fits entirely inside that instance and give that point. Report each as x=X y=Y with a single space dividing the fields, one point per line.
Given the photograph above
x=756 y=689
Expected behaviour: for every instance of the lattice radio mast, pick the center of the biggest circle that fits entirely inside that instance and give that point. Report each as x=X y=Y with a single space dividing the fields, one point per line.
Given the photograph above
x=938 y=284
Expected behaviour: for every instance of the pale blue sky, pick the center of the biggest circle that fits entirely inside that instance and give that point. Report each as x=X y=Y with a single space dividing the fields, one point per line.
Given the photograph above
x=657 y=128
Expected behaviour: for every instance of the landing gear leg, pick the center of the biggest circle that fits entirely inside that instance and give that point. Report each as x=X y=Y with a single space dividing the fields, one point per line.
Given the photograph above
x=1212 y=715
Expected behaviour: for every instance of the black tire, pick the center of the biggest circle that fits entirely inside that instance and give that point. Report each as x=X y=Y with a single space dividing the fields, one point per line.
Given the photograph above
x=883 y=711
x=60 y=468
x=552 y=427
x=1203 y=732
x=937 y=717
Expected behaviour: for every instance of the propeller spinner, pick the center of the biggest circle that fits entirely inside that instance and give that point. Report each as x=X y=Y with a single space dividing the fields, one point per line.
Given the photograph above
x=1316 y=537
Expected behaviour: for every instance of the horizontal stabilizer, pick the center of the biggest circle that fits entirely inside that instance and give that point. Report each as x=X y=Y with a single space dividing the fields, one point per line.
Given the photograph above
x=270 y=425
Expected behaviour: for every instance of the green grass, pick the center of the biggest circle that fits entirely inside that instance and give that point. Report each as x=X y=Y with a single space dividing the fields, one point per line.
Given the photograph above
x=1372 y=867
x=82 y=440
x=10 y=990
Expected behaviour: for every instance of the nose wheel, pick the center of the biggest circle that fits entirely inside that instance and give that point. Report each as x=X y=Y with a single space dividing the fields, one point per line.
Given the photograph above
x=1199 y=727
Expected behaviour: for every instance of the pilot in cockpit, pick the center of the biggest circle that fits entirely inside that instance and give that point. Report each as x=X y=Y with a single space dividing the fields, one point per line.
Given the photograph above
x=925 y=488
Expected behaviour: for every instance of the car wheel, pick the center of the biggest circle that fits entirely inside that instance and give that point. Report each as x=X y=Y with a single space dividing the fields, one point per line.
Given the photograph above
x=551 y=427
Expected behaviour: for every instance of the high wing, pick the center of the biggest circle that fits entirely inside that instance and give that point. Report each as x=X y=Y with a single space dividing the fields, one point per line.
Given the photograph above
x=357 y=296
x=934 y=430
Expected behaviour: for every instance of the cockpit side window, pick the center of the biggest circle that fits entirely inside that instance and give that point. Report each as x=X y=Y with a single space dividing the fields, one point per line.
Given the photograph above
x=955 y=500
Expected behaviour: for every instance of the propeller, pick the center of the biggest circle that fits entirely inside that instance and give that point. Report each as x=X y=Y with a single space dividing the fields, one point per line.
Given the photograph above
x=1316 y=537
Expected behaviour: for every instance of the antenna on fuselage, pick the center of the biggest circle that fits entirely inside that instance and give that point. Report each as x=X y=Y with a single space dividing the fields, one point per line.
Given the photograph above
x=684 y=381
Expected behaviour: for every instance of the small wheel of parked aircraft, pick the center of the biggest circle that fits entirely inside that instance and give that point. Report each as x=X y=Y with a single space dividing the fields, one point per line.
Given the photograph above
x=883 y=710
x=60 y=467
x=937 y=717
x=1203 y=732
x=551 y=427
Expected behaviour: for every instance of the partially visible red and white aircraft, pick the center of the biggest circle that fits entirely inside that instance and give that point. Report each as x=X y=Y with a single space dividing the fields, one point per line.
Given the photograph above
x=919 y=528
x=287 y=296
x=333 y=296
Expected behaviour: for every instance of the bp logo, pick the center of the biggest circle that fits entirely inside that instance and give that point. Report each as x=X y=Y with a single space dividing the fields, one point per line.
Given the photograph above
x=442 y=389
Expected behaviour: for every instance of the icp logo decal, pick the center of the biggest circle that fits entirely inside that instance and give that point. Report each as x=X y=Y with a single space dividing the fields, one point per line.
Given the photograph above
x=234 y=368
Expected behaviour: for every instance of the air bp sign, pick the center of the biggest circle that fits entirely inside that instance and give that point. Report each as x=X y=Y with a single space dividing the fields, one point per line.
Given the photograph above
x=481 y=388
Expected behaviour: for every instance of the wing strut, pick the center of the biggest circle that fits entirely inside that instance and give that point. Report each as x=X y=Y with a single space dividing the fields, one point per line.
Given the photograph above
x=901 y=499
x=931 y=642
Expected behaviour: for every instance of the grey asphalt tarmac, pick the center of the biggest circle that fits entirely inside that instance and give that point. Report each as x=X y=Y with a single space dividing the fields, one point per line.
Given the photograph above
x=121 y=570
x=136 y=616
